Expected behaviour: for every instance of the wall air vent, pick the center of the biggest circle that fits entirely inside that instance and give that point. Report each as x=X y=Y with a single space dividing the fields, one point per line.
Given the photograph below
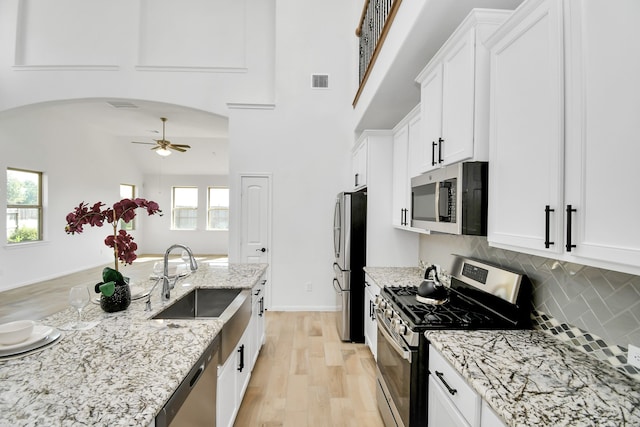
x=122 y=104
x=320 y=81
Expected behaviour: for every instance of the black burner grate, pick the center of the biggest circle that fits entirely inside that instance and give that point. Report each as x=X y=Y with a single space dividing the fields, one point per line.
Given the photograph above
x=457 y=313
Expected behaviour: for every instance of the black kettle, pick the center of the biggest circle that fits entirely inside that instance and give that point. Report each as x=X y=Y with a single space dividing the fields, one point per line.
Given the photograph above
x=431 y=291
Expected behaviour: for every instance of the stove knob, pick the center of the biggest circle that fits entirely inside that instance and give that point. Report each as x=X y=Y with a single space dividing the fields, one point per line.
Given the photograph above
x=388 y=313
x=400 y=327
x=378 y=300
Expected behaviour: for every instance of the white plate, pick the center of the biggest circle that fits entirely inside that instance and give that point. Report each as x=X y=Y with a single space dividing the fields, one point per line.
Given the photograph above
x=39 y=333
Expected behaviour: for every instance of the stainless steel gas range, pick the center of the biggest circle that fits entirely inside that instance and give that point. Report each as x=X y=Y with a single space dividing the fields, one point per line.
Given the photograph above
x=480 y=296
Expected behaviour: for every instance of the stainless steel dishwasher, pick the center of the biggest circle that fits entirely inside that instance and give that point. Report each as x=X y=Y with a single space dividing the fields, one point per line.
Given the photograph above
x=194 y=402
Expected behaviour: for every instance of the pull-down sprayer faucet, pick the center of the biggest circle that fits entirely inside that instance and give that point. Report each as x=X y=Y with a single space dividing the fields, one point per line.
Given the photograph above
x=166 y=287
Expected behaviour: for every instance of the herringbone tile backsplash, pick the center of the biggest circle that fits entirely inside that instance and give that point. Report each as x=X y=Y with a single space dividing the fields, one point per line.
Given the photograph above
x=602 y=302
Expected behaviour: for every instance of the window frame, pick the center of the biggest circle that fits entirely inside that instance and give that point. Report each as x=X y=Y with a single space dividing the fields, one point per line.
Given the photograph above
x=131 y=225
x=210 y=209
x=174 y=209
x=39 y=206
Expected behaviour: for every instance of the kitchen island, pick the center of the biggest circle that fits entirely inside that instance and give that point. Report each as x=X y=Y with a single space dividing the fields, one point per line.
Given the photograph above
x=122 y=371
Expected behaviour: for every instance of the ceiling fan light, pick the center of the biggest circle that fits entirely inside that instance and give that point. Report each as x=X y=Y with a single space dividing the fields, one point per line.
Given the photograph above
x=163 y=152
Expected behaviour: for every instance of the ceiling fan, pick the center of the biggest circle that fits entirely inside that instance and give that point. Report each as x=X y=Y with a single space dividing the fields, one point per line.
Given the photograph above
x=163 y=145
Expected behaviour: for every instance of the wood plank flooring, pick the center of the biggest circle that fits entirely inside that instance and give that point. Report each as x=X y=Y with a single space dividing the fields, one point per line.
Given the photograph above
x=306 y=377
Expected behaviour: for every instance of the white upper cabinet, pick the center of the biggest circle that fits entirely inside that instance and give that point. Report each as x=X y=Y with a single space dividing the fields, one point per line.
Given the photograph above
x=404 y=134
x=359 y=164
x=526 y=130
x=565 y=102
x=602 y=128
x=454 y=97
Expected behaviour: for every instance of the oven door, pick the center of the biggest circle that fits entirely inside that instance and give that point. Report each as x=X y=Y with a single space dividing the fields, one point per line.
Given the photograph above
x=394 y=377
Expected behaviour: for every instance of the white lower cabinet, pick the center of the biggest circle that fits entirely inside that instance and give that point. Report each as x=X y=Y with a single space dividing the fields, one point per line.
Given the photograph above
x=489 y=418
x=257 y=321
x=452 y=402
x=233 y=378
x=234 y=374
x=371 y=291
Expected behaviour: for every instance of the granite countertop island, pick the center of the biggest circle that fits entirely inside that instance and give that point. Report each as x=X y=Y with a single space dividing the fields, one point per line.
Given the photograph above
x=529 y=377
x=122 y=371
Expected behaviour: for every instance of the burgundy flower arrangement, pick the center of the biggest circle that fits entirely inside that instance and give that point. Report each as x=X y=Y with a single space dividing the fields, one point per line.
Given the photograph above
x=95 y=216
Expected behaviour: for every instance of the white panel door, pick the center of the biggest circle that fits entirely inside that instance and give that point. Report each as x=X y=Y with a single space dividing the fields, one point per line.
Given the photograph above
x=526 y=132
x=603 y=111
x=458 y=96
x=423 y=152
x=255 y=219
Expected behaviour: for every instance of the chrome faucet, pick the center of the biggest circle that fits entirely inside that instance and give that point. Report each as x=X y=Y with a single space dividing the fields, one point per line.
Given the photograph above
x=166 y=287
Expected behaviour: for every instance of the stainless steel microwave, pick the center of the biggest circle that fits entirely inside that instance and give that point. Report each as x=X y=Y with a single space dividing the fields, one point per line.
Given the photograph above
x=452 y=199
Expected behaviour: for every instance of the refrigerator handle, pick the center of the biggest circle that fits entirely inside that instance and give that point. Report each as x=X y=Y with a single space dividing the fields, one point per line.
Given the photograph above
x=336 y=286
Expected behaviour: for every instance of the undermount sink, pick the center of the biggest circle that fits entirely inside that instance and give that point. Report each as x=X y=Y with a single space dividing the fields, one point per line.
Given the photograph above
x=200 y=303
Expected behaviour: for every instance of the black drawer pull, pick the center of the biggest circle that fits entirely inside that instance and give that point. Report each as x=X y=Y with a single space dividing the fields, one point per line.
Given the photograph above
x=451 y=391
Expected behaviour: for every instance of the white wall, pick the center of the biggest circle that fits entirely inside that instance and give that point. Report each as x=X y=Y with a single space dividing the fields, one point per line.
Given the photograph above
x=74 y=172
x=304 y=142
x=158 y=236
x=72 y=49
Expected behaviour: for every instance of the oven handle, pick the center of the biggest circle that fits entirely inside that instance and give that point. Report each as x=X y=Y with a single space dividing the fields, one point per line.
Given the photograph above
x=402 y=351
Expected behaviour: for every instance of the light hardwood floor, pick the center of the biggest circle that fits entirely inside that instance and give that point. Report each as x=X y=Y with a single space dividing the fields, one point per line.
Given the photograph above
x=306 y=377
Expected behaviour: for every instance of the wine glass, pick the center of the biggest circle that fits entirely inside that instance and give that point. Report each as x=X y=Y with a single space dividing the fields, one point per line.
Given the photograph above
x=79 y=298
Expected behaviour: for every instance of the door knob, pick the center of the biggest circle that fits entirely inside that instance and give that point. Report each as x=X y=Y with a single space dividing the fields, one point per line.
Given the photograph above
x=261 y=250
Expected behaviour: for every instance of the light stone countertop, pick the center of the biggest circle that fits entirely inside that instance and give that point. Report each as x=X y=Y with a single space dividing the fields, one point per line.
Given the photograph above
x=121 y=372
x=395 y=276
x=528 y=377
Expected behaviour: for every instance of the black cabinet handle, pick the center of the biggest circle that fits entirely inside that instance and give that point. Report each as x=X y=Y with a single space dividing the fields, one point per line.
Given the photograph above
x=451 y=391
x=570 y=210
x=403 y=216
x=547 y=212
x=440 y=141
x=241 y=351
x=261 y=302
x=433 y=153
x=356 y=179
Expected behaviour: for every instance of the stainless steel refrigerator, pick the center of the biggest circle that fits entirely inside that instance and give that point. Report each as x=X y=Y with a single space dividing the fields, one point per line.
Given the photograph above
x=350 y=247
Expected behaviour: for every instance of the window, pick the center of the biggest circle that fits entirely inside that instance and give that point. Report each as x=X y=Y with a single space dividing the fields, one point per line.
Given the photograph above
x=185 y=208
x=128 y=191
x=24 y=206
x=218 y=210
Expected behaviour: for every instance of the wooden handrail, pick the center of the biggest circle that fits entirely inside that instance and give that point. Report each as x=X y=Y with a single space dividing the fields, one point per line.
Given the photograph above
x=383 y=35
x=362 y=16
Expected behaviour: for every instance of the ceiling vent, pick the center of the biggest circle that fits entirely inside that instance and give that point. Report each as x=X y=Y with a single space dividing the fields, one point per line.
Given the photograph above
x=122 y=104
x=320 y=81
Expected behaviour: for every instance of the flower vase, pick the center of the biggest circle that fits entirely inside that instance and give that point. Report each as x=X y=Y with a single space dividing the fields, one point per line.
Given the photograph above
x=120 y=299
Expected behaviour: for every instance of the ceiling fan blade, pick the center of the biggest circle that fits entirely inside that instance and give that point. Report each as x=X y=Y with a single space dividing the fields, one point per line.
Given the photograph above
x=139 y=142
x=181 y=145
x=157 y=147
x=173 y=147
